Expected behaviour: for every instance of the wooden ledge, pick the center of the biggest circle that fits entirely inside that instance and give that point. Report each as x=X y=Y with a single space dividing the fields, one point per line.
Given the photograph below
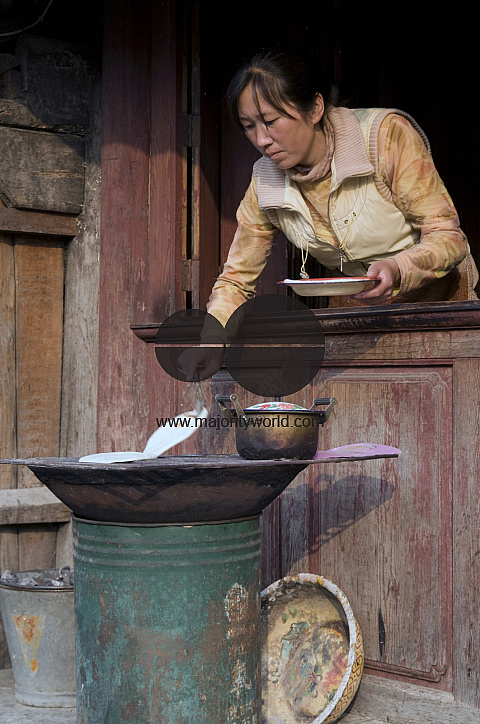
x=37 y=222
x=389 y=318
x=21 y=506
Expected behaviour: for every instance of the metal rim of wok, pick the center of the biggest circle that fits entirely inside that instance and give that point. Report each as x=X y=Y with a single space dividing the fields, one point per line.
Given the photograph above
x=352 y=630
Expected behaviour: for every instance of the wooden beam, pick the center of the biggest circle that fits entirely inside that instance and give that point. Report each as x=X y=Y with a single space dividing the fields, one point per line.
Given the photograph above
x=42 y=171
x=8 y=474
x=21 y=506
x=32 y=222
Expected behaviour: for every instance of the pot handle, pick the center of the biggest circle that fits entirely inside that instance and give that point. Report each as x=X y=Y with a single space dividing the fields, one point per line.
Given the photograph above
x=330 y=401
x=222 y=399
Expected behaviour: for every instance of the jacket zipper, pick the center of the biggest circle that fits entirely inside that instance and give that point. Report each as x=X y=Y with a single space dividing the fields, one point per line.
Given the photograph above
x=343 y=253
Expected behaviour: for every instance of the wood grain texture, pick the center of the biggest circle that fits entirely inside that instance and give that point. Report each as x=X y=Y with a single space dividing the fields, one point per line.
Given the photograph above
x=140 y=260
x=81 y=322
x=42 y=171
x=442 y=345
x=124 y=261
x=50 y=80
x=64 y=546
x=39 y=331
x=32 y=222
x=8 y=475
x=466 y=466
x=384 y=532
x=391 y=702
x=31 y=505
x=380 y=529
x=37 y=546
x=164 y=241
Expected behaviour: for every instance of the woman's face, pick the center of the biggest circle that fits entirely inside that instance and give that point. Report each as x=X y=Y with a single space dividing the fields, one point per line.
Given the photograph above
x=286 y=141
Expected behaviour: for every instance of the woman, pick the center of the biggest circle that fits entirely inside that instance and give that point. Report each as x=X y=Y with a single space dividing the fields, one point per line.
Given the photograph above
x=357 y=190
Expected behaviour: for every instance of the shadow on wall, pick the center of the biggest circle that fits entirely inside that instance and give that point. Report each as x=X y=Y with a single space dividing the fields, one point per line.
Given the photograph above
x=302 y=527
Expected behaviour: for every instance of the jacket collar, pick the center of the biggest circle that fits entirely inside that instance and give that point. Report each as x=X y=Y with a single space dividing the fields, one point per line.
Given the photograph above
x=350 y=158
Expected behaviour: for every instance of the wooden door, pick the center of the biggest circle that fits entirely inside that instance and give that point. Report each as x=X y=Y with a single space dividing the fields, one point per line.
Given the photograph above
x=31 y=343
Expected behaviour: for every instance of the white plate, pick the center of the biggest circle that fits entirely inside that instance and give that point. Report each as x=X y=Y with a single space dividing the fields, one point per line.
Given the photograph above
x=335 y=286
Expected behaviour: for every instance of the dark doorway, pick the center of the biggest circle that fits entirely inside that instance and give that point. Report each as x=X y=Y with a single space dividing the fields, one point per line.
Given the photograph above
x=406 y=55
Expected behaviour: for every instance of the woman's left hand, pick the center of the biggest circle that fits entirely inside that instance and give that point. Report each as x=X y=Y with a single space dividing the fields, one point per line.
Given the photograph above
x=389 y=273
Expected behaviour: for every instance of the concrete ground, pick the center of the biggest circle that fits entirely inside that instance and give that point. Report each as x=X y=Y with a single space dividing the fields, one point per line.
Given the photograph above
x=11 y=712
x=377 y=702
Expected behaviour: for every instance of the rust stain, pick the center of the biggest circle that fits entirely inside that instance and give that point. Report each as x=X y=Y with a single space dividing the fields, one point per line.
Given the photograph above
x=29 y=630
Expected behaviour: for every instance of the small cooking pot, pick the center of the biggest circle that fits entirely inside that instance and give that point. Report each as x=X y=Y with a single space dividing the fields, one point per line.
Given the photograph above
x=276 y=430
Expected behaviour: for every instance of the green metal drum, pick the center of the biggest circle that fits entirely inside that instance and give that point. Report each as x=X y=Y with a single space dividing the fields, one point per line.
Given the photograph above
x=167 y=623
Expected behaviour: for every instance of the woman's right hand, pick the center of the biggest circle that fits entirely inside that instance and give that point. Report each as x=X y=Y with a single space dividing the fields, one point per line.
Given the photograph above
x=200 y=363
x=388 y=272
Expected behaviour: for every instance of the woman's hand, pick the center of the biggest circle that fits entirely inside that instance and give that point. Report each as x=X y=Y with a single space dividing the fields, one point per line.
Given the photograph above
x=200 y=363
x=389 y=273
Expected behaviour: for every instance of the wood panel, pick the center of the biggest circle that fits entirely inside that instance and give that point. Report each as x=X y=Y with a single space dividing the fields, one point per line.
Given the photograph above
x=381 y=529
x=78 y=433
x=39 y=276
x=466 y=529
x=31 y=294
x=7 y=360
x=141 y=210
x=31 y=505
x=434 y=345
x=41 y=171
x=164 y=250
x=31 y=222
x=37 y=547
x=124 y=259
x=48 y=83
x=8 y=473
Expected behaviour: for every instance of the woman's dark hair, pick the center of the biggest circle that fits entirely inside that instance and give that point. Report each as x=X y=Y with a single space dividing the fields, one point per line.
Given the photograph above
x=282 y=78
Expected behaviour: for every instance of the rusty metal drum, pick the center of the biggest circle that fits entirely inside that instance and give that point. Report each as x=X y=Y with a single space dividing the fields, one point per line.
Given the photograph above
x=39 y=627
x=167 y=622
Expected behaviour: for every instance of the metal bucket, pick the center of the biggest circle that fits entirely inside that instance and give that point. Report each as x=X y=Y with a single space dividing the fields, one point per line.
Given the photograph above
x=39 y=627
x=167 y=622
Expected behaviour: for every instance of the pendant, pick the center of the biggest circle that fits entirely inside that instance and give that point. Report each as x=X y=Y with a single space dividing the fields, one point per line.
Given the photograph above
x=304 y=275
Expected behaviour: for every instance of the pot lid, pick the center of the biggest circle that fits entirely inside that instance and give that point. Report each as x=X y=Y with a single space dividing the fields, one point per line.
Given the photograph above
x=273 y=405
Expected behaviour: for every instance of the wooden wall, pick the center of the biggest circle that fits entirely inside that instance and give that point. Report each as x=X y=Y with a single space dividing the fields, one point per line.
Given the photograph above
x=143 y=216
x=49 y=189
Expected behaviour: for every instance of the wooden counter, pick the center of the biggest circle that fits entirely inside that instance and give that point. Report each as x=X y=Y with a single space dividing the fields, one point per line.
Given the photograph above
x=399 y=536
